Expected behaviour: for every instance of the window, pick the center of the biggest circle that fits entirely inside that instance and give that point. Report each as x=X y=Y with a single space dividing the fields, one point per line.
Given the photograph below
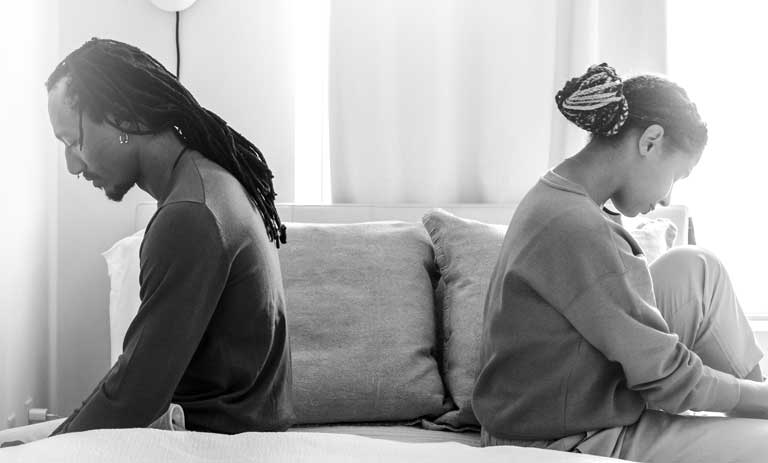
x=717 y=52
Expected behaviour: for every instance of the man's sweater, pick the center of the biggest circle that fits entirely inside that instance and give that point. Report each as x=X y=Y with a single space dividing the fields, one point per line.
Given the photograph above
x=572 y=339
x=211 y=331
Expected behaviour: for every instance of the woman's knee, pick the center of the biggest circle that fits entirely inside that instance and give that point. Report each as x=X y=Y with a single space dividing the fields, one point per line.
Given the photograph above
x=688 y=277
x=683 y=276
x=681 y=261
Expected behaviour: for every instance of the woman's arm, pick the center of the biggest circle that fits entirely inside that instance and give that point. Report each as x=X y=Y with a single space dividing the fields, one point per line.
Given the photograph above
x=753 y=400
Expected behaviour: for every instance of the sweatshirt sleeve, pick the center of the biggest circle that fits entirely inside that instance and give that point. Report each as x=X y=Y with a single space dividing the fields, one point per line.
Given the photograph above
x=606 y=293
x=184 y=269
x=626 y=328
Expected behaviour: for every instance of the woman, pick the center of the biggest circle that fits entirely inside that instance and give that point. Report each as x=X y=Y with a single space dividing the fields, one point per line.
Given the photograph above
x=585 y=348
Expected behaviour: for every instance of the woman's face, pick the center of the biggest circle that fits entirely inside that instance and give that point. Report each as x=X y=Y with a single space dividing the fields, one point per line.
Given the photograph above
x=656 y=167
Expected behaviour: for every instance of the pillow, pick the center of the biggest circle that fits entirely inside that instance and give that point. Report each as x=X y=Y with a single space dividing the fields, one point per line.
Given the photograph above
x=362 y=322
x=655 y=236
x=466 y=252
x=123 y=269
x=360 y=314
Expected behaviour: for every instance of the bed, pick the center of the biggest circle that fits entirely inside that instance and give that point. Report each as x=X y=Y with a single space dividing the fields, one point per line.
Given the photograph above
x=336 y=442
x=150 y=445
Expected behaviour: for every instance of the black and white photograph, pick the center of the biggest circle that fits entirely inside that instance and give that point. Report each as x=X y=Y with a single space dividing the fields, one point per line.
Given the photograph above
x=383 y=231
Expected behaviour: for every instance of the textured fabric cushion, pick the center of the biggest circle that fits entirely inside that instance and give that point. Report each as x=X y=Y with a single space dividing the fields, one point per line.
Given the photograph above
x=466 y=252
x=362 y=323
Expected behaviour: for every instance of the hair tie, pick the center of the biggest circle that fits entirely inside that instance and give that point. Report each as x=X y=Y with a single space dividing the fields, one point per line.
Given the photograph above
x=595 y=101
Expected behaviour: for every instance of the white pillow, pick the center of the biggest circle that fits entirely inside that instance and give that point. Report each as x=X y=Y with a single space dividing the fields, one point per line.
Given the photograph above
x=123 y=269
x=655 y=236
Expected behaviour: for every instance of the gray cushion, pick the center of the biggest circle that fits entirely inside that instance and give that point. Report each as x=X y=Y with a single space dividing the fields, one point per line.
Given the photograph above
x=466 y=252
x=361 y=320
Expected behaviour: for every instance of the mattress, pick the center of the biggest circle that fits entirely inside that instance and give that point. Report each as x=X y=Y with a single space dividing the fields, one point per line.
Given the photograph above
x=151 y=445
x=408 y=434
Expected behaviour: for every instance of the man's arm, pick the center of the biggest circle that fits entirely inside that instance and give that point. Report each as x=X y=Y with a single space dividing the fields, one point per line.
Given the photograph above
x=184 y=269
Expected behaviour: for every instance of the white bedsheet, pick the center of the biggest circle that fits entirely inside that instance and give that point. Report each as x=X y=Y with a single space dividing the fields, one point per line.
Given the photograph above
x=151 y=445
x=397 y=433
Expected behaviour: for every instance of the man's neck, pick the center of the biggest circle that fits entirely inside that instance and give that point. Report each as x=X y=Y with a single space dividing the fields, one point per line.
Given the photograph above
x=157 y=157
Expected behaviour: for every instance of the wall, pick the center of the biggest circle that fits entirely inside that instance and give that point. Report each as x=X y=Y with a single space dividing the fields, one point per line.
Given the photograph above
x=26 y=193
x=235 y=60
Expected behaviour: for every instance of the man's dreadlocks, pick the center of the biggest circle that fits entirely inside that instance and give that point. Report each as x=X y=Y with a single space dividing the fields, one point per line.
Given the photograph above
x=119 y=84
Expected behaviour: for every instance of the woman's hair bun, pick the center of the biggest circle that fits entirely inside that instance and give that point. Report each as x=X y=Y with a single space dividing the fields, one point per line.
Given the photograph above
x=595 y=101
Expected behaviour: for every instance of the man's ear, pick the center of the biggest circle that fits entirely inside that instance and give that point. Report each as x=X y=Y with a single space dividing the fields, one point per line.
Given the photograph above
x=650 y=140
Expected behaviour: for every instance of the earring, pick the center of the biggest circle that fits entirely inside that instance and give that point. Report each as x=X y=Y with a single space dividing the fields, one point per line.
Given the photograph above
x=123 y=138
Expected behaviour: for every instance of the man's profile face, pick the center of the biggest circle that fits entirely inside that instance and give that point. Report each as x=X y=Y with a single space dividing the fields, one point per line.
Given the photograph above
x=102 y=160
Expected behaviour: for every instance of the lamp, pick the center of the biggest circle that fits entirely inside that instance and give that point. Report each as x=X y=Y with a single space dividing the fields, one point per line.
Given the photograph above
x=173 y=5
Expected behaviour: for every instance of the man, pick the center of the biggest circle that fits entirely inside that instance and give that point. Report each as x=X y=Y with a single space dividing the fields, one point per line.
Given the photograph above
x=211 y=332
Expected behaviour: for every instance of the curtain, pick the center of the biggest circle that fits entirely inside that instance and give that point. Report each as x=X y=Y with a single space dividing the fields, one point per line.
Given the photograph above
x=453 y=100
x=27 y=193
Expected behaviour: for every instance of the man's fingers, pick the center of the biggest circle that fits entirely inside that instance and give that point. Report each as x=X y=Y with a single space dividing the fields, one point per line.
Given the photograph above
x=12 y=443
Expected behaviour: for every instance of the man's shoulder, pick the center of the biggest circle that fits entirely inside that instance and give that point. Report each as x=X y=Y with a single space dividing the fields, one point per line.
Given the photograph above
x=183 y=220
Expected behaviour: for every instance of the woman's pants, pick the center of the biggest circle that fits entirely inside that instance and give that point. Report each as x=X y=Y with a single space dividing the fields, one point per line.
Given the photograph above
x=695 y=297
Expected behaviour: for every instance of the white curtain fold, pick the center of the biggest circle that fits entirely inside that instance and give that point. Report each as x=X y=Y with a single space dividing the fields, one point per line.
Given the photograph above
x=27 y=51
x=453 y=100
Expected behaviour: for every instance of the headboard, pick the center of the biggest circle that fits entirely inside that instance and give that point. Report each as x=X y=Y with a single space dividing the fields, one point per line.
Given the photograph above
x=348 y=213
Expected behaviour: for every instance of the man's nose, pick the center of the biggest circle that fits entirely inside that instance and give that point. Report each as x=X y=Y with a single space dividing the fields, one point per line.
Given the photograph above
x=74 y=164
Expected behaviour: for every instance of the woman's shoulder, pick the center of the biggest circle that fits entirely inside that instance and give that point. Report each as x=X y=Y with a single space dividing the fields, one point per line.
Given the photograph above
x=560 y=209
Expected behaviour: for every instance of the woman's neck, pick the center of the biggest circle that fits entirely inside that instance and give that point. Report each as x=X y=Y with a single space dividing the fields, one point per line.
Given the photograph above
x=594 y=168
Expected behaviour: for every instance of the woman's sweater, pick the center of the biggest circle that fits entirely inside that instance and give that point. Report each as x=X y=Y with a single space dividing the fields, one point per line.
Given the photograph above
x=572 y=339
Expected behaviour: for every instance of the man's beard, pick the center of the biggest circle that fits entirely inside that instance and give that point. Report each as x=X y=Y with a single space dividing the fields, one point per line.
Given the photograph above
x=117 y=193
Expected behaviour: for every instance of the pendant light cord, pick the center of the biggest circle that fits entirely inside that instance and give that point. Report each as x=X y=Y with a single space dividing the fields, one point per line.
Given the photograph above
x=178 y=50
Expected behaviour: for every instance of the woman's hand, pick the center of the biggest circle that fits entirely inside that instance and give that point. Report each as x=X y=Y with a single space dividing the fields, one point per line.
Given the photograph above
x=753 y=402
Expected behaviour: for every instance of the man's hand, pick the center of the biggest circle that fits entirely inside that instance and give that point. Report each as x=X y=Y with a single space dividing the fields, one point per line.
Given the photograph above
x=12 y=443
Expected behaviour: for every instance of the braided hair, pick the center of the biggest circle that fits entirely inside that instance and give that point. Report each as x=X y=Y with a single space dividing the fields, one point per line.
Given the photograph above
x=119 y=84
x=603 y=104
